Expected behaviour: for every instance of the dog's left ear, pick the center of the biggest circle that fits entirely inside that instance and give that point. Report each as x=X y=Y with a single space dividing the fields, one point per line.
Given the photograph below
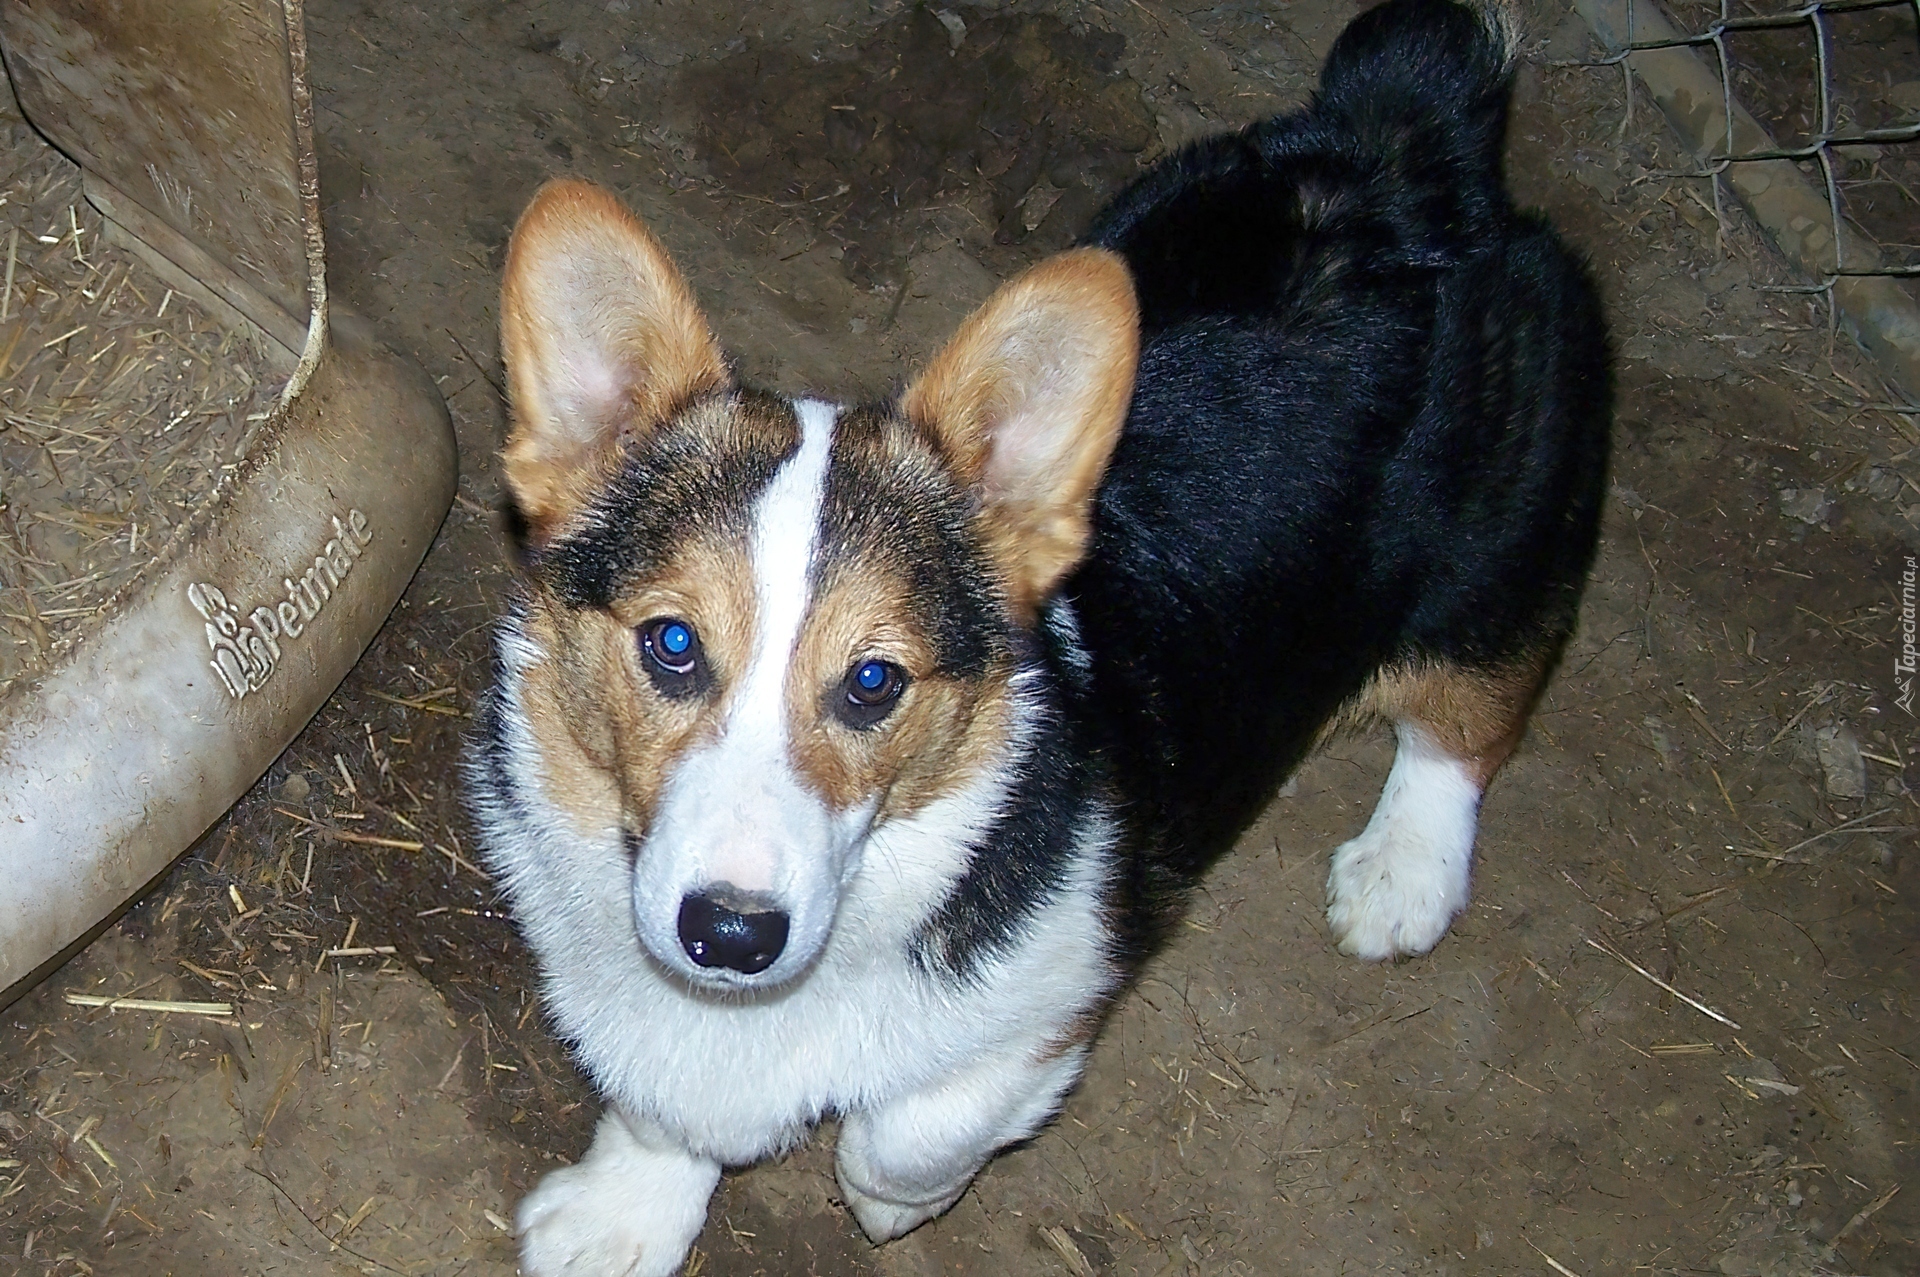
x=602 y=341
x=1027 y=400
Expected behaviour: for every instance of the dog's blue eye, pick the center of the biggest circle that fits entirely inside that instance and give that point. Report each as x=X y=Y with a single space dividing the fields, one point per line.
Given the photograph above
x=672 y=652
x=870 y=691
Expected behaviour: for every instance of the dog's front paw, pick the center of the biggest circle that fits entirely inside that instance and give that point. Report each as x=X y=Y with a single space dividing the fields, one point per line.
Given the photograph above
x=627 y=1210
x=882 y=1220
x=1393 y=892
x=577 y=1221
x=883 y=1211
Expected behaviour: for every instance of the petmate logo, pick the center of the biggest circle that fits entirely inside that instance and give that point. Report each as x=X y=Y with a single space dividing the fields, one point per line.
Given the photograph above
x=1906 y=664
x=245 y=648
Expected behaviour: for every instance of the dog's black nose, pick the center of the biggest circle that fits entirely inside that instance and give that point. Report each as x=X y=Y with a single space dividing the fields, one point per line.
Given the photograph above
x=716 y=936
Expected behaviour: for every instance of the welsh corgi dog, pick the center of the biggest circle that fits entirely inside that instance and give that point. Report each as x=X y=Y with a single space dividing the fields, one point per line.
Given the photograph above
x=848 y=760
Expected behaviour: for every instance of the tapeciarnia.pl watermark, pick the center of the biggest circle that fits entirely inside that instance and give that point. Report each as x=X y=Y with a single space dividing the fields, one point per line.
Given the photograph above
x=1907 y=663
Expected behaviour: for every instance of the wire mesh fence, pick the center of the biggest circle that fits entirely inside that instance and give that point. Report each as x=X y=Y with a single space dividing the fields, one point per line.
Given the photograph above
x=1829 y=90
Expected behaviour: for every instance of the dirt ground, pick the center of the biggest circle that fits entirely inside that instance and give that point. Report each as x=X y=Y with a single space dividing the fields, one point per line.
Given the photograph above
x=1676 y=1031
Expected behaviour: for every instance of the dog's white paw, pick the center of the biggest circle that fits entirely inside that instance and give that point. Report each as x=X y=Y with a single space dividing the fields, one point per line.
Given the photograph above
x=1396 y=888
x=627 y=1210
x=1391 y=893
x=883 y=1211
x=882 y=1220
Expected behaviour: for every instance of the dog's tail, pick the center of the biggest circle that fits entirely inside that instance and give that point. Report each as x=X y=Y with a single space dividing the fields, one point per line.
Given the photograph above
x=1419 y=90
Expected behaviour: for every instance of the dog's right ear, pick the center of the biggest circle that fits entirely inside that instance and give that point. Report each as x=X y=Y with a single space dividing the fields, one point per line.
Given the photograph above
x=602 y=341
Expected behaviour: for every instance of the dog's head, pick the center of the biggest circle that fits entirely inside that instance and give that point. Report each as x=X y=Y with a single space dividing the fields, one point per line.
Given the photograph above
x=764 y=626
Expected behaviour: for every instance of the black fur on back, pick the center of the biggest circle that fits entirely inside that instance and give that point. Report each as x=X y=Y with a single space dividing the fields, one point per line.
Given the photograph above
x=1370 y=426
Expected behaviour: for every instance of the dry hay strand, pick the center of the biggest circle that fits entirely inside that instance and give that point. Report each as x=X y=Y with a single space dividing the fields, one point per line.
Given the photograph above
x=121 y=403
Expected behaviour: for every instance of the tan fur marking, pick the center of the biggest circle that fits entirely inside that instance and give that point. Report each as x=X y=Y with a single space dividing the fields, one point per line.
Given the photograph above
x=1476 y=715
x=574 y=747
x=609 y=738
x=942 y=732
x=601 y=340
x=1027 y=401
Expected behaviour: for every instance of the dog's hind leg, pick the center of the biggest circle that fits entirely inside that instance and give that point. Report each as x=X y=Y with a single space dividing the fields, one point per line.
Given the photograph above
x=1396 y=888
x=903 y=1162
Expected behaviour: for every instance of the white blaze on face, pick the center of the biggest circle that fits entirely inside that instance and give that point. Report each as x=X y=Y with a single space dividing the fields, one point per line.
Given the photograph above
x=736 y=812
